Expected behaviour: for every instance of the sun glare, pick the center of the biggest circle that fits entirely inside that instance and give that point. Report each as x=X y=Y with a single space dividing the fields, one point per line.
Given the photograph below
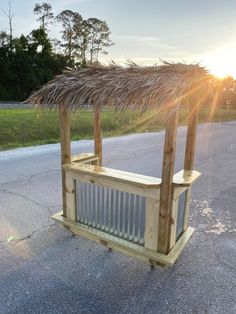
x=220 y=68
x=222 y=62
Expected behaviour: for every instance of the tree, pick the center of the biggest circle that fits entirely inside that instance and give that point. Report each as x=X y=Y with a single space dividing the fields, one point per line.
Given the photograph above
x=29 y=61
x=44 y=11
x=10 y=16
x=70 y=22
x=40 y=41
x=4 y=39
x=99 y=38
x=228 y=90
x=83 y=39
x=26 y=67
x=82 y=34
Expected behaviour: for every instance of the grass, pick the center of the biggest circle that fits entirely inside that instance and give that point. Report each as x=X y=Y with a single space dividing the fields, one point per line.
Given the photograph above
x=26 y=127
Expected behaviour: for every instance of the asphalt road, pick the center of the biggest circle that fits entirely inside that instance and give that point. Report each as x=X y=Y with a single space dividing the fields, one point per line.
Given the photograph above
x=45 y=269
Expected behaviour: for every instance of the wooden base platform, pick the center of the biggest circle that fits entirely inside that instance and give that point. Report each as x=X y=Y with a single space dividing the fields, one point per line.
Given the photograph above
x=126 y=247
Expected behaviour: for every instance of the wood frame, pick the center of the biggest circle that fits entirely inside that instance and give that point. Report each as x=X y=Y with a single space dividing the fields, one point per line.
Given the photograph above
x=174 y=214
x=98 y=134
x=87 y=158
x=124 y=246
x=149 y=187
x=119 y=180
x=191 y=138
x=151 y=224
x=166 y=194
x=190 y=154
x=64 y=119
x=70 y=196
x=160 y=247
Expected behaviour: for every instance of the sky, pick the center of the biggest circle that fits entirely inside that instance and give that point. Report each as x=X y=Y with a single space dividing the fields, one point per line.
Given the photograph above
x=146 y=31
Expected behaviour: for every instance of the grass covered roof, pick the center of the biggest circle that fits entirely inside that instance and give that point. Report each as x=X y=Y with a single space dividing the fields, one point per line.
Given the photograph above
x=142 y=87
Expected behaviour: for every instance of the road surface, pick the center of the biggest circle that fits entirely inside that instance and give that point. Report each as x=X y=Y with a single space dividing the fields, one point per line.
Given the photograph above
x=45 y=269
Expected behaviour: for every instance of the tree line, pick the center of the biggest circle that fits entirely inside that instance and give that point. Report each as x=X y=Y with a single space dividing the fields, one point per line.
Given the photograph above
x=28 y=61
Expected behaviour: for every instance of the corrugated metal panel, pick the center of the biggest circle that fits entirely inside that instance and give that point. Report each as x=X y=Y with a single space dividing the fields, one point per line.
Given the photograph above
x=115 y=212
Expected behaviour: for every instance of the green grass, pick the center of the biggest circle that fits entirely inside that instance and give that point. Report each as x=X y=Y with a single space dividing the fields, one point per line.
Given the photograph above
x=25 y=127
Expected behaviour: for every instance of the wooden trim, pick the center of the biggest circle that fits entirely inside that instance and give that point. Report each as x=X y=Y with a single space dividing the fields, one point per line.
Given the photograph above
x=187 y=208
x=185 y=178
x=84 y=158
x=116 y=175
x=124 y=186
x=70 y=196
x=98 y=134
x=174 y=216
x=166 y=193
x=115 y=179
x=191 y=138
x=64 y=119
x=180 y=244
x=125 y=246
x=151 y=224
x=179 y=190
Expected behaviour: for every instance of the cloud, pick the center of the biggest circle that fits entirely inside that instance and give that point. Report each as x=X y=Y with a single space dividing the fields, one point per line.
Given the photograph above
x=145 y=49
x=143 y=40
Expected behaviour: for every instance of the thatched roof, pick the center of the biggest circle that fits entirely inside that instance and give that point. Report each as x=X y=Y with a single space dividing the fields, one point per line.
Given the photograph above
x=121 y=87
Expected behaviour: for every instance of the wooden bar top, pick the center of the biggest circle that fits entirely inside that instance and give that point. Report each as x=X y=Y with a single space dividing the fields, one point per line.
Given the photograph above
x=183 y=178
x=114 y=174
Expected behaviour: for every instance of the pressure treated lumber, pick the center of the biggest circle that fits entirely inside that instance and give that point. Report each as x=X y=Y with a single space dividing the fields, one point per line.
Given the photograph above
x=64 y=119
x=190 y=153
x=84 y=158
x=166 y=193
x=185 y=178
x=114 y=174
x=70 y=196
x=98 y=135
x=174 y=217
x=125 y=246
x=116 y=179
x=151 y=224
x=186 y=213
x=191 y=138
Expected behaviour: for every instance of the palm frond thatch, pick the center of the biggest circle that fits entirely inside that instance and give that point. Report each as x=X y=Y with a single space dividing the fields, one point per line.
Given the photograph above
x=142 y=87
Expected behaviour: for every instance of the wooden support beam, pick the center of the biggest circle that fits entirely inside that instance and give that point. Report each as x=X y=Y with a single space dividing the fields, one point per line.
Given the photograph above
x=166 y=193
x=191 y=138
x=125 y=246
x=98 y=135
x=174 y=216
x=186 y=212
x=190 y=153
x=151 y=224
x=70 y=196
x=64 y=118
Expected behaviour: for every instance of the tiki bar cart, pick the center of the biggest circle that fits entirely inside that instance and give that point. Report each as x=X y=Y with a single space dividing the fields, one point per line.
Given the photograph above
x=138 y=215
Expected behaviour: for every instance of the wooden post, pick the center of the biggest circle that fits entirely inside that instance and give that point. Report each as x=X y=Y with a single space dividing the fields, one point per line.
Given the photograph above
x=151 y=223
x=191 y=138
x=190 y=153
x=174 y=215
x=98 y=134
x=166 y=192
x=64 y=118
x=70 y=197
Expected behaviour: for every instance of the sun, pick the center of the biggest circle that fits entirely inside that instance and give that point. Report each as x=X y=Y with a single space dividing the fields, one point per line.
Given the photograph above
x=222 y=62
x=220 y=68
